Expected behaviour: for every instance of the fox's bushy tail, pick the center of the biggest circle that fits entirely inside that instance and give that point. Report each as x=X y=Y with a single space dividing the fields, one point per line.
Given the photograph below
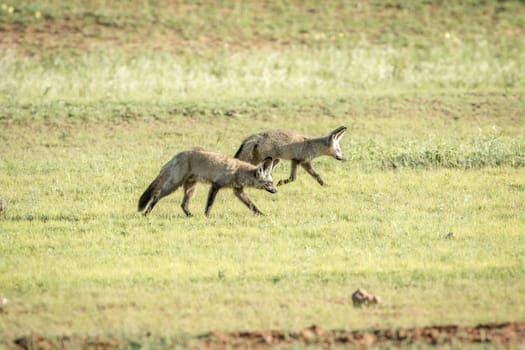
x=239 y=151
x=246 y=150
x=146 y=196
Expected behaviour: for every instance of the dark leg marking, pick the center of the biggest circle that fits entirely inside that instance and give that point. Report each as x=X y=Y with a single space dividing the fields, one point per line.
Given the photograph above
x=211 y=197
x=293 y=174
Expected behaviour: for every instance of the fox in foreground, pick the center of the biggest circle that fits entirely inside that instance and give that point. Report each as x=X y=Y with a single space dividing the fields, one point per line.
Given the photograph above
x=198 y=165
x=290 y=145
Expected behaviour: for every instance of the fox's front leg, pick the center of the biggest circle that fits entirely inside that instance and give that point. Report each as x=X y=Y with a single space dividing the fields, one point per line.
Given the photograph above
x=308 y=167
x=293 y=174
x=239 y=193
x=211 y=197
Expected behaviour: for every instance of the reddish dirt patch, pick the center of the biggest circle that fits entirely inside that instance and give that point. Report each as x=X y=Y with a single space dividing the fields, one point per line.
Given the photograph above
x=54 y=36
x=501 y=334
x=35 y=341
x=509 y=333
x=57 y=35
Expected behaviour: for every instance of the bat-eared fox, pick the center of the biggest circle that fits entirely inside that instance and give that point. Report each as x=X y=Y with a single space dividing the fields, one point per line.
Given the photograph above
x=300 y=149
x=199 y=165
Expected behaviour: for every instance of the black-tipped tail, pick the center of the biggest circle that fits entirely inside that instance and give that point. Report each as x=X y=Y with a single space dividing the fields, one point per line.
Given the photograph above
x=146 y=196
x=238 y=153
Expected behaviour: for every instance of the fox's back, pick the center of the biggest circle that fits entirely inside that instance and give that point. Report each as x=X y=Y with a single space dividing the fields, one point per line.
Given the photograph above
x=277 y=143
x=208 y=166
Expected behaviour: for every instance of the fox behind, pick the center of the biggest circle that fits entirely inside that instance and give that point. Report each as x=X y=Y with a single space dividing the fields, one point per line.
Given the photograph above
x=187 y=168
x=290 y=145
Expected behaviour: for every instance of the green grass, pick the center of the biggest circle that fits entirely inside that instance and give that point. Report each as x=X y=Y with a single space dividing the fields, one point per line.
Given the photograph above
x=431 y=93
x=298 y=72
x=78 y=259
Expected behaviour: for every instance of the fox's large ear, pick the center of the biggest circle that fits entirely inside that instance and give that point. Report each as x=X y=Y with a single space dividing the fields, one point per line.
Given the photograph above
x=267 y=164
x=275 y=162
x=338 y=133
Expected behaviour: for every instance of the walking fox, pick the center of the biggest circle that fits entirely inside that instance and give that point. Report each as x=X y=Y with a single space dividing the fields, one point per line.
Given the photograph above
x=290 y=145
x=198 y=165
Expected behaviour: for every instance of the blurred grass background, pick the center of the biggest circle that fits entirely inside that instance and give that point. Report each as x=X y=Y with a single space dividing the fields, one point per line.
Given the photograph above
x=166 y=51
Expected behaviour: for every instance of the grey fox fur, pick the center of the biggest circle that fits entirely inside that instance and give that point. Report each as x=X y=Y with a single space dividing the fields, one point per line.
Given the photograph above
x=285 y=144
x=187 y=168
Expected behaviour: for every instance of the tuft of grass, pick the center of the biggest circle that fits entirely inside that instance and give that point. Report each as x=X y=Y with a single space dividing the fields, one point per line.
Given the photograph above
x=478 y=152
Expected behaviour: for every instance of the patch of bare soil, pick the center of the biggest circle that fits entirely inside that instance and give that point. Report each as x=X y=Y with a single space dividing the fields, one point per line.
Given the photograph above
x=73 y=35
x=36 y=341
x=501 y=334
x=51 y=36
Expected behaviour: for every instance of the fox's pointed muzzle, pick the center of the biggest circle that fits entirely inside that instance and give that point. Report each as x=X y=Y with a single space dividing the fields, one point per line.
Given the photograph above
x=338 y=157
x=270 y=188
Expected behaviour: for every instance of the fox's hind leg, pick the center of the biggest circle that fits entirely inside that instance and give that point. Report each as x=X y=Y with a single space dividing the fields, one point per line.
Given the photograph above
x=293 y=173
x=165 y=190
x=152 y=203
x=189 y=191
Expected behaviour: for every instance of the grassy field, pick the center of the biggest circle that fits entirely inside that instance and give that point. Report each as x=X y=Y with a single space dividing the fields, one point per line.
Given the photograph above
x=95 y=97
